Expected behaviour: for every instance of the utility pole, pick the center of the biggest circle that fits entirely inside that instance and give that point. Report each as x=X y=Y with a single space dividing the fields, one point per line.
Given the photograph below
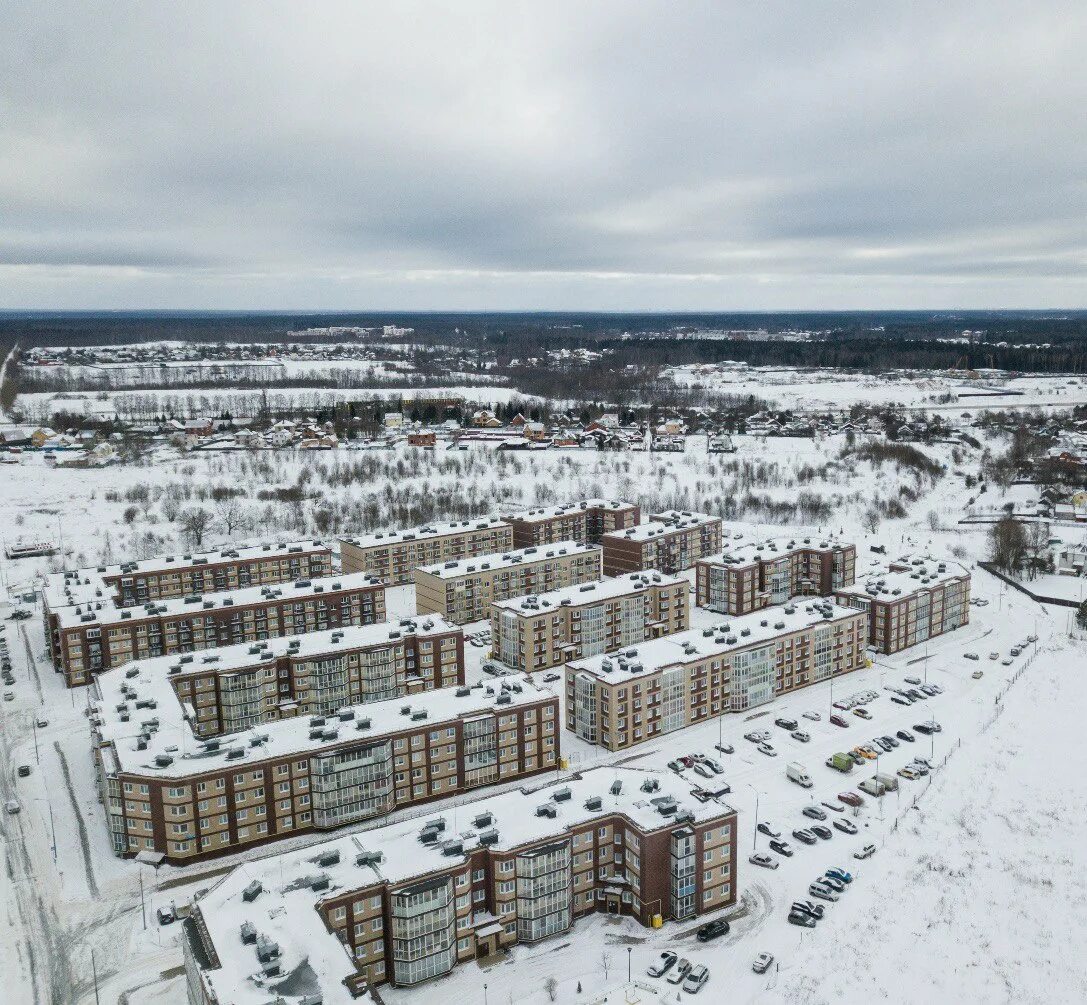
x=94 y=970
x=143 y=910
x=34 y=724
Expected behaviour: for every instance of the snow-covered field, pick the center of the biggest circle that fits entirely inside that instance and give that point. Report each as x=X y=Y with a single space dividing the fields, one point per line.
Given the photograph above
x=974 y=894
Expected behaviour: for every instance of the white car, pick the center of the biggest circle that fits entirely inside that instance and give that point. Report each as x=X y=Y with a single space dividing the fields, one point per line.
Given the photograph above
x=696 y=979
x=679 y=971
x=866 y=852
x=701 y=769
x=765 y=748
x=814 y=717
x=765 y=861
x=663 y=964
x=762 y=963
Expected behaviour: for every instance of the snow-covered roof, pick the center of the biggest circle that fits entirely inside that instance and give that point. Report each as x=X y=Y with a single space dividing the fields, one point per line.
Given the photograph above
x=903 y=577
x=551 y=512
x=424 y=533
x=284 y=909
x=667 y=522
x=588 y=593
x=770 y=549
x=507 y=559
x=730 y=635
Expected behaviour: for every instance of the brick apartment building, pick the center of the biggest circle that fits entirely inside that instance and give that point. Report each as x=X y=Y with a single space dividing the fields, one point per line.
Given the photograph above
x=407 y=902
x=95 y=637
x=669 y=542
x=584 y=522
x=168 y=792
x=130 y=584
x=749 y=577
x=535 y=633
x=231 y=688
x=462 y=592
x=394 y=555
x=913 y=600
x=643 y=692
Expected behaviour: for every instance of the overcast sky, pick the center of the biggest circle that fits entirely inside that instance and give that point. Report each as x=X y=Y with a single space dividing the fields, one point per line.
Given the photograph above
x=548 y=155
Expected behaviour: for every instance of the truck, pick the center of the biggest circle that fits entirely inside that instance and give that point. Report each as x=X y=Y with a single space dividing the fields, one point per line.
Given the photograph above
x=840 y=762
x=799 y=774
x=889 y=782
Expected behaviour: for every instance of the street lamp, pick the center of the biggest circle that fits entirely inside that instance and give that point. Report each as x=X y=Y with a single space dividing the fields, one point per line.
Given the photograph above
x=628 y=963
x=52 y=827
x=755 y=832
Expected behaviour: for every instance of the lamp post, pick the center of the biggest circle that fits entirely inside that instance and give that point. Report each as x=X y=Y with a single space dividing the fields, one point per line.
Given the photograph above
x=755 y=832
x=628 y=963
x=52 y=826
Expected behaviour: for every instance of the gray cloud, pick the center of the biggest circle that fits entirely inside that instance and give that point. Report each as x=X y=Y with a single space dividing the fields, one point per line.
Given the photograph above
x=564 y=155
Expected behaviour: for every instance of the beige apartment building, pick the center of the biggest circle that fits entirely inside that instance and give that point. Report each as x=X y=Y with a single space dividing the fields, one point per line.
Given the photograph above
x=915 y=599
x=393 y=556
x=95 y=637
x=408 y=902
x=168 y=792
x=750 y=577
x=642 y=692
x=670 y=542
x=585 y=522
x=462 y=592
x=538 y=632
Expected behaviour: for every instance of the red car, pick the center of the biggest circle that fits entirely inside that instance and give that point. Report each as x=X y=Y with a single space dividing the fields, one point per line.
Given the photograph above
x=687 y=762
x=850 y=798
x=838 y=720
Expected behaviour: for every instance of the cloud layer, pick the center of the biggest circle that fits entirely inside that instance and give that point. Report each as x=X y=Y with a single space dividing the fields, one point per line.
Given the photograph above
x=560 y=155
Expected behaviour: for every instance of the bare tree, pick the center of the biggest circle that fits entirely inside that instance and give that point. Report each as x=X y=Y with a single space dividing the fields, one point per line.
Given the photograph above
x=605 y=963
x=195 y=522
x=171 y=508
x=232 y=513
x=551 y=986
x=1039 y=558
x=1007 y=545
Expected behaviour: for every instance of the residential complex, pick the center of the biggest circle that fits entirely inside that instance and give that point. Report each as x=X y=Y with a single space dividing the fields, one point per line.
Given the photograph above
x=670 y=542
x=914 y=599
x=393 y=556
x=93 y=637
x=134 y=583
x=409 y=901
x=749 y=577
x=463 y=591
x=231 y=688
x=585 y=522
x=644 y=691
x=168 y=792
x=537 y=632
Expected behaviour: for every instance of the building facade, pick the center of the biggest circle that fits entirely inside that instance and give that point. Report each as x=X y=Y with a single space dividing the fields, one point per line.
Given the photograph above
x=584 y=522
x=914 y=600
x=753 y=576
x=534 y=633
x=96 y=637
x=167 y=791
x=393 y=556
x=669 y=542
x=410 y=901
x=462 y=592
x=638 y=694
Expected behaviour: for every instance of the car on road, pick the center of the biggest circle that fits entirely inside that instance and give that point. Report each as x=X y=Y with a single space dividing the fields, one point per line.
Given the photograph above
x=823 y=832
x=978 y=674
x=814 y=812
x=549 y=677
x=813 y=716
x=695 y=981
x=724 y=748
x=805 y=836
x=762 y=963
x=12 y=806
x=801 y=920
x=851 y=798
x=822 y=891
x=713 y=930
x=782 y=848
x=846 y=826
x=905 y=734
x=866 y=852
x=679 y=971
x=763 y=861
x=971 y=656
x=862 y=713
x=839 y=720
x=663 y=965
x=766 y=828
x=787 y=724
x=23 y=770
x=767 y=749
x=41 y=722
x=166 y=915
x=800 y=735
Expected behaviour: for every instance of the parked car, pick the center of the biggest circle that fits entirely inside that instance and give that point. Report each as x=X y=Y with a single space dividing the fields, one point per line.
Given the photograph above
x=917 y=695
x=823 y=832
x=787 y=724
x=822 y=891
x=866 y=852
x=762 y=963
x=862 y=713
x=800 y=735
x=977 y=674
x=713 y=930
x=801 y=920
x=703 y=770
x=919 y=767
x=813 y=716
x=923 y=728
x=675 y=766
x=757 y=736
x=971 y=656
x=814 y=812
x=763 y=861
x=679 y=971
x=724 y=748
x=782 y=848
x=714 y=766
x=855 y=756
x=899 y=700
x=851 y=798
x=837 y=885
x=910 y=773
x=166 y=915
x=23 y=770
x=765 y=827
x=663 y=965
x=809 y=907
x=805 y=836
x=842 y=706
x=891 y=740
x=12 y=806
x=839 y=721
x=833 y=807
x=686 y=760
x=549 y=677
x=846 y=826
x=1006 y=662
x=765 y=748
x=695 y=981
x=994 y=656
x=930 y=690
x=913 y=680
x=905 y=734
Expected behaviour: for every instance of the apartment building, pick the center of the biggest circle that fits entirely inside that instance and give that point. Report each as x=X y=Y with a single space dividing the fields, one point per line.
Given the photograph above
x=407 y=902
x=232 y=688
x=914 y=599
x=95 y=637
x=393 y=556
x=585 y=522
x=670 y=542
x=463 y=591
x=130 y=584
x=539 y=632
x=749 y=577
x=640 y=693
x=168 y=792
